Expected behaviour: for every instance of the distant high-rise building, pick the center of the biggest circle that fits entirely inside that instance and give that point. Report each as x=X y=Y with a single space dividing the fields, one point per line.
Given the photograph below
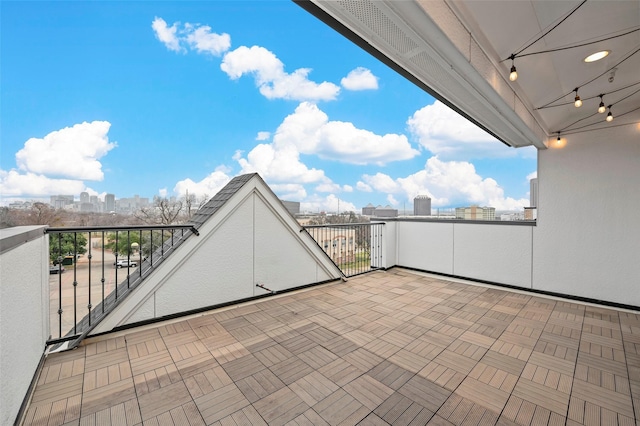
x=84 y=198
x=476 y=213
x=422 y=205
x=110 y=203
x=533 y=192
x=61 y=201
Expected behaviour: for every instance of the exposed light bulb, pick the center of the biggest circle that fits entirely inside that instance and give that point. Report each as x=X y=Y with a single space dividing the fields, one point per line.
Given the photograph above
x=513 y=76
x=578 y=101
x=601 y=108
x=609 y=116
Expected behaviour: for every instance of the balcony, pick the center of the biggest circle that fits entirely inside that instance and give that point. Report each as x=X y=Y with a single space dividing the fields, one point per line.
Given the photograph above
x=249 y=320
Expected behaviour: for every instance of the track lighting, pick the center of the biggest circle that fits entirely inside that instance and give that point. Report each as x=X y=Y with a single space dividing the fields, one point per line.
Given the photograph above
x=601 y=108
x=609 y=116
x=513 y=75
x=578 y=101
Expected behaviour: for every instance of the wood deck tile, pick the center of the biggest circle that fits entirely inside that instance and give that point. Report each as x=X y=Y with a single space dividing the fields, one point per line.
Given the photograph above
x=456 y=361
x=291 y=370
x=368 y=391
x=504 y=362
x=150 y=362
x=208 y=381
x=340 y=346
x=259 y=385
x=341 y=408
x=280 y=407
x=340 y=372
x=542 y=395
x=313 y=388
x=107 y=396
x=483 y=394
x=229 y=352
x=106 y=359
x=363 y=359
x=395 y=406
x=55 y=391
x=425 y=393
x=221 y=403
x=441 y=375
x=180 y=338
x=409 y=361
x=600 y=396
x=243 y=367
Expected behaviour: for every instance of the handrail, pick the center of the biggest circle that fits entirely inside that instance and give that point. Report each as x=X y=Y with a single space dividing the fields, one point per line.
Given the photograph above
x=103 y=247
x=355 y=248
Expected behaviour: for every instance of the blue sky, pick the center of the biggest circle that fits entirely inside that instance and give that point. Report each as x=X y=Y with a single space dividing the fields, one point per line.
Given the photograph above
x=157 y=98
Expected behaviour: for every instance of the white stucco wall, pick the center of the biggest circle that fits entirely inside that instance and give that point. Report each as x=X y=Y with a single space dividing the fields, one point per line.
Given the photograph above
x=24 y=314
x=587 y=241
x=498 y=253
x=426 y=245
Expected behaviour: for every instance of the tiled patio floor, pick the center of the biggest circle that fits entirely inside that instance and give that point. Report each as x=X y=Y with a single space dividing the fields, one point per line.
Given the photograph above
x=389 y=347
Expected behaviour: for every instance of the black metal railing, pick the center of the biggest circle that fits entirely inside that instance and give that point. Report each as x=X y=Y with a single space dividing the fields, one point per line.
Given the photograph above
x=355 y=248
x=92 y=268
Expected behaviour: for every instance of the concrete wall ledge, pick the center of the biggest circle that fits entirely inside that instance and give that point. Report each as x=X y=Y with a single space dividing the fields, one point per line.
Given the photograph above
x=461 y=221
x=11 y=238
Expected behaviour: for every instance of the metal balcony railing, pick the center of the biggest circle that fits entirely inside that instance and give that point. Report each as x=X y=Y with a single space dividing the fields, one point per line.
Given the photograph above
x=355 y=248
x=92 y=268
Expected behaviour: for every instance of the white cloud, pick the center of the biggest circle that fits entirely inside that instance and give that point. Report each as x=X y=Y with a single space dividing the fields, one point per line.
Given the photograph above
x=167 y=35
x=13 y=183
x=532 y=175
x=392 y=200
x=203 y=40
x=72 y=152
x=311 y=132
x=263 y=136
x=347 y=188
x=209 y=186
x=448 y=183
x=270 y=77
x=289 y=191
x=194 y=36
x=360 y=79
x=449 y=135
x=361 y=186
x=328 y=187
x=279 y=164
x=163 y=192
x=330 y=204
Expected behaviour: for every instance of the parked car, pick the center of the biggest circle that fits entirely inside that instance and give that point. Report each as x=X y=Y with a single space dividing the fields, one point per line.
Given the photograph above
x=54 y=269
x=124 y=263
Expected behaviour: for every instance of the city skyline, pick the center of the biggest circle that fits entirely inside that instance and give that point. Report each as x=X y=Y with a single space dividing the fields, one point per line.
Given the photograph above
x=172 y=97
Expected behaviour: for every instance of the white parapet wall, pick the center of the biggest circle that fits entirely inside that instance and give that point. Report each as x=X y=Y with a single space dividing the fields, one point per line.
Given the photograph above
x=497 y=252
x=24 y=312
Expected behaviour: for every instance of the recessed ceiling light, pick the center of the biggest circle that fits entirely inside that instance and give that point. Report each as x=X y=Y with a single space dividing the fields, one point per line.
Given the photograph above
x=597 y=56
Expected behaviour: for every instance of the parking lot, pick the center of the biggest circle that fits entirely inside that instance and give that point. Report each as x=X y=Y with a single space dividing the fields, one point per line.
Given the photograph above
x=83 y=272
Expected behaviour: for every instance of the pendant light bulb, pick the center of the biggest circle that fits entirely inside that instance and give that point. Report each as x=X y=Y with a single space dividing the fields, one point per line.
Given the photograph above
x=609 y=116
x=513 y=75
x=601 y=108
x=578 y=101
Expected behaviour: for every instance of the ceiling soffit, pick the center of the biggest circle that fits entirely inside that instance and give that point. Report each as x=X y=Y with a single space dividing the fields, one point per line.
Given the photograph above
x=451 y=66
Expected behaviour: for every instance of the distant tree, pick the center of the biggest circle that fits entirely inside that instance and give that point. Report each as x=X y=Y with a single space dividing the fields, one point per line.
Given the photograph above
x=66 y=244
x=164 y=211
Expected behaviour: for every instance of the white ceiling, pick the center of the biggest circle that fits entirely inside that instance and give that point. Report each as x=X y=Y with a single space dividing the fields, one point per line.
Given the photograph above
x=457 y=49
x=509 y=26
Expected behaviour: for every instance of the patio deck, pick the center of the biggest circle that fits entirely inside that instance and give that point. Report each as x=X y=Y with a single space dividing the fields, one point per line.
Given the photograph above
x=392 y=347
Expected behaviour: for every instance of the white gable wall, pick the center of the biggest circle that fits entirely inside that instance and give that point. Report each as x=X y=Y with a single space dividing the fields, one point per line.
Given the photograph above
x=250 y=239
